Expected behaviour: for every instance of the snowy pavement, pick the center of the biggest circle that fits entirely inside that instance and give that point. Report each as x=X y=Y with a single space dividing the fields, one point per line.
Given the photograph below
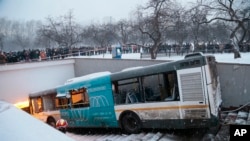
x=133 y=137
x=17 y=125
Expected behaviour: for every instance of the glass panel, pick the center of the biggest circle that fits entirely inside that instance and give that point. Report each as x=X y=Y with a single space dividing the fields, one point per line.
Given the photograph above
x=37 y=105
x=79 y=98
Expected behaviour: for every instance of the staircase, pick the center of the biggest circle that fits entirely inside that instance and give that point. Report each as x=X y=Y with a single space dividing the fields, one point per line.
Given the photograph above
x=236 y=118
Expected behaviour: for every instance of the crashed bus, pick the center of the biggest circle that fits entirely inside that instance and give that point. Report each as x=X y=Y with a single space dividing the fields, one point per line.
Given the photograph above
x=171 y=95
x=45 y=106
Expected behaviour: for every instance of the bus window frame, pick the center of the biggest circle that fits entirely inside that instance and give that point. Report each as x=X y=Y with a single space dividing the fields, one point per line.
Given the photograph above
x=140 y=92
x=33 y=102
x=83 y=92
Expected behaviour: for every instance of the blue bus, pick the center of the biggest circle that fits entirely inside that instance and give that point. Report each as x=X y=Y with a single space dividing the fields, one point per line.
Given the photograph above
x=180 y=94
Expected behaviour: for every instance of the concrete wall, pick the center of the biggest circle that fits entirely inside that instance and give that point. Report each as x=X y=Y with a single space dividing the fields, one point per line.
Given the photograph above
x=235 y=83
x=87 y=66
x=18 y=80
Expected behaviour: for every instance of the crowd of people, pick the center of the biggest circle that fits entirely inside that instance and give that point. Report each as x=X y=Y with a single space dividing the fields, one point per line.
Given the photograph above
x=28 y=55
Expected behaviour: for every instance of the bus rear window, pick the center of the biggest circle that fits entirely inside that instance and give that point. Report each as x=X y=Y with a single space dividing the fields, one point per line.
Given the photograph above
x=190 y=63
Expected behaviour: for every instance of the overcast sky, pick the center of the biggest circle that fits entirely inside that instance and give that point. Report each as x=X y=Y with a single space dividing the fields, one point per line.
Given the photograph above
x=83 y=10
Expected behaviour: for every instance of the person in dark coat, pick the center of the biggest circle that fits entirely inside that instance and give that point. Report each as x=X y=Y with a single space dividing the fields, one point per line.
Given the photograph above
x=2 y=58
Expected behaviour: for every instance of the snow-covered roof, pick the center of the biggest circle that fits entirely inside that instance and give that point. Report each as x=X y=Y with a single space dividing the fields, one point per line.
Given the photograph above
x=132 y=68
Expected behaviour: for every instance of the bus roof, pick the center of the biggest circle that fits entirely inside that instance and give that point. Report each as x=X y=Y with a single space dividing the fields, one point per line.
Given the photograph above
x=87 y=77
x=85 y=80
x=159 y=68
x=197 y=54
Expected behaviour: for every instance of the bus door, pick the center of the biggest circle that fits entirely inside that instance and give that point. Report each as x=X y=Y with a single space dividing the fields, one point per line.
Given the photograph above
x=74 y=103
x=193 y=94
x=102 y=106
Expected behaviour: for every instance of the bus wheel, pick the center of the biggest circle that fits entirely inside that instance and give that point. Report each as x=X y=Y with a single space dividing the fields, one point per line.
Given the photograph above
x=51 y=121
x=131 y=123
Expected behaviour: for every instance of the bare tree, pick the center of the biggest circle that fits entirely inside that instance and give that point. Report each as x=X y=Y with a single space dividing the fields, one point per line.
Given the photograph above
x=124 y=31
x=197 y=15
x=64 y=31
x=180 y=27
x=100 y=35
x=248 y=31
x=96 y=35
x=153 y=20
x=232 y=11
x=2 y=33
x=1 y=41
x=5 y=33
x=23 y=34
x=220 y=31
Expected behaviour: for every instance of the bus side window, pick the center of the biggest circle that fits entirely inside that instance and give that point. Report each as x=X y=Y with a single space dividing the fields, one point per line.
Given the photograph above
x=172 y=87
x=79 y=98
x=152 y=86
x=161 y=87
x=116 y=95
x=122 y=88
x=62 y=103
x=48 y=103
x=37 y=105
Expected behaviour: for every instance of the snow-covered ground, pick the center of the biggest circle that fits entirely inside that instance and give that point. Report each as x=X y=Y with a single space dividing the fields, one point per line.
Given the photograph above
x=17 y=125
x=222 y=58
x=133 y=137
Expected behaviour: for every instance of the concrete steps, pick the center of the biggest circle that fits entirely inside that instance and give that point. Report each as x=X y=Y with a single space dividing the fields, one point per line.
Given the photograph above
x=236 y=118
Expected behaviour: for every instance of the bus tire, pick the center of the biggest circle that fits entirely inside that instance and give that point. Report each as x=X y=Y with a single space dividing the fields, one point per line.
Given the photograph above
x=131 y=123
x=51 y=121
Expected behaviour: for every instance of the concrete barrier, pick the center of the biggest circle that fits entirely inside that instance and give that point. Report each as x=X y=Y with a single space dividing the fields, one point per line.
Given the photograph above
x=235 y=83
x=18 y=80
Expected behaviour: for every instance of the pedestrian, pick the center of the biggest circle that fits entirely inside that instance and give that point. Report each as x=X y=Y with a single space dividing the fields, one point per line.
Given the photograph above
x=2 y=58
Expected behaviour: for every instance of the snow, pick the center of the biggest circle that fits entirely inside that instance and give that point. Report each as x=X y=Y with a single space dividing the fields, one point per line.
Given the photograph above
x=220 y=57
x=132 y=68
x=16 y=125
x=133 y=137
x=87 y=77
